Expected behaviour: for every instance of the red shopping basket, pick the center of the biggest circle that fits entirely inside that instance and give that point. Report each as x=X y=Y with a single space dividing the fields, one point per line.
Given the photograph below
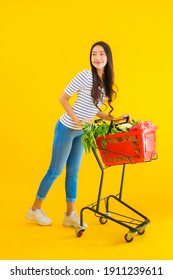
x=128 y=147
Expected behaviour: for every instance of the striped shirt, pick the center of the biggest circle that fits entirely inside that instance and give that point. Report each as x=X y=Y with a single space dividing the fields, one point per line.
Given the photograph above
x=83 y=106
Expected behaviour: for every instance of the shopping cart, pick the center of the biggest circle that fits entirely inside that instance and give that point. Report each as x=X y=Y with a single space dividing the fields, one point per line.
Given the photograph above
x=121 y=149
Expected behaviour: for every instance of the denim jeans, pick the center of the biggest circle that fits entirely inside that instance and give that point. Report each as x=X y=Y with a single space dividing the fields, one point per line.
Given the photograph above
x=67 y=149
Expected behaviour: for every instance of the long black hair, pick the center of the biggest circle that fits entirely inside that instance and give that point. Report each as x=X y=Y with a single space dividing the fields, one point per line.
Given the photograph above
x=108 y=78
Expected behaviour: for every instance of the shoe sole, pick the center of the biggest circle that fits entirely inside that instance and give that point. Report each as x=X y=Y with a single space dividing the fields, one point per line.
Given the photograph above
x=30 y=218
x=74 y=226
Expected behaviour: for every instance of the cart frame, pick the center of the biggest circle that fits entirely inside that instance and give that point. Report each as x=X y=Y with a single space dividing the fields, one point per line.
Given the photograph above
x=134 y=225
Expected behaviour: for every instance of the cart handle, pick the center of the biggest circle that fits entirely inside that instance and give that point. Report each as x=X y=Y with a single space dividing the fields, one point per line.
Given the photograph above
x=125 y=119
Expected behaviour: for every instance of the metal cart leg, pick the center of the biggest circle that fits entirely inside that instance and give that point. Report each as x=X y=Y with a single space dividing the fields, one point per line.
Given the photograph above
x=135 y=226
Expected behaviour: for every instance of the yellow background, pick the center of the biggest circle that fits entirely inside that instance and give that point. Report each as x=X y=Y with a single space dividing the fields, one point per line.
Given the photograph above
x=43 y=45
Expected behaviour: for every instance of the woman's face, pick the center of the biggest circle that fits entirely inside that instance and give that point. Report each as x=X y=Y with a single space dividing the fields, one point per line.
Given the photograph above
x=98 y=58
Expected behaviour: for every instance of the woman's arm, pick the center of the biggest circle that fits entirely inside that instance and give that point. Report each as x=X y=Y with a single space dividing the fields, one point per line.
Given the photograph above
x=105 y=116
x=64 y=98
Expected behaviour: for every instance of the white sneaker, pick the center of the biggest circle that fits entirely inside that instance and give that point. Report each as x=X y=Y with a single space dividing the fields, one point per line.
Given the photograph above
x=73 y=220
x=39 y=217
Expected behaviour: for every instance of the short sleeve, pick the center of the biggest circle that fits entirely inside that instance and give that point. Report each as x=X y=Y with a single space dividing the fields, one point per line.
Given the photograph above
x=79 y=82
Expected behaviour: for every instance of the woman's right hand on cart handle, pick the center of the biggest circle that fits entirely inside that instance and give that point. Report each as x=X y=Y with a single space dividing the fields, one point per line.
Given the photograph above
x=121 y=118
x=125 y=118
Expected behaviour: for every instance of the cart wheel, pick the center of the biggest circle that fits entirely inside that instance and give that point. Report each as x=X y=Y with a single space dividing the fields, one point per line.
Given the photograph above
x=129 y=237
x=103 y=220
x=141 y=231
x=79 y=232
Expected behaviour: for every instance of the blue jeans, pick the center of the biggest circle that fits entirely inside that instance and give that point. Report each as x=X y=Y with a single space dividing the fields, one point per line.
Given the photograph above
x=67 y=149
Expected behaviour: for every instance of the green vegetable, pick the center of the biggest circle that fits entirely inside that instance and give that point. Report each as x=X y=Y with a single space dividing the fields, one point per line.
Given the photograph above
x=88 y=140
x=124 y=126
x=92 y=130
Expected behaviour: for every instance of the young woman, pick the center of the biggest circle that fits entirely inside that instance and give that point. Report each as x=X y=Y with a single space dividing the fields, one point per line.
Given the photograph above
x=94 y=87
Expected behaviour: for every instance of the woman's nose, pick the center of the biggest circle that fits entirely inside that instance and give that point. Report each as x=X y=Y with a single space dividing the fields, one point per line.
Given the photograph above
x=98 y=58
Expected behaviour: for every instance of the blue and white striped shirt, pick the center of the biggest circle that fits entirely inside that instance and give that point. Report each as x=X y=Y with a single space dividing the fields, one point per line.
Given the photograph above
x=83 y=106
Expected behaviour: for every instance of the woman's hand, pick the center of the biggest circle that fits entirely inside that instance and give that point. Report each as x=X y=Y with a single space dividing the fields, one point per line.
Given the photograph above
x=122 y=117
x=105 y=116
x=84 y=121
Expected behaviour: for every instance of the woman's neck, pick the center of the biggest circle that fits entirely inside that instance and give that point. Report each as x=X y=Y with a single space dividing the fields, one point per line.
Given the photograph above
x=100 y=73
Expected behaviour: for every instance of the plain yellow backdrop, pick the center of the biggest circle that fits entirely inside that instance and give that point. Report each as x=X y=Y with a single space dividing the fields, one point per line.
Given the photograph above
x=44 y=44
